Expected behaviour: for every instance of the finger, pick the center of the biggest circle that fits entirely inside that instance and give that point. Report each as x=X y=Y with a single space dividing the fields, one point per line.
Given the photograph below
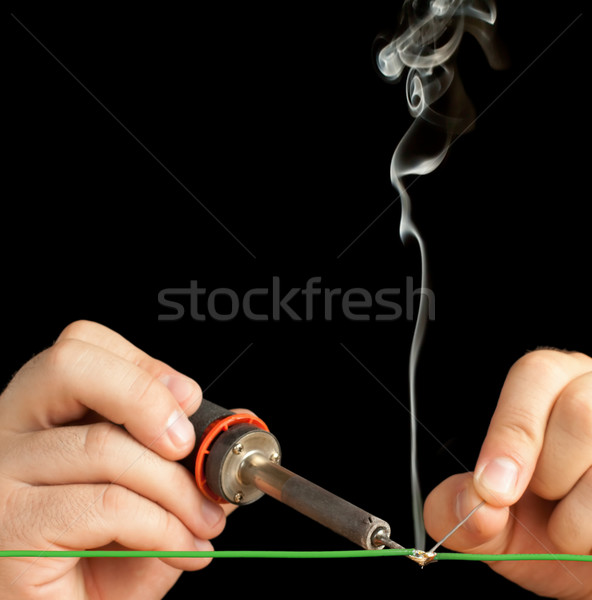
x=448 y=504
x=185 y=389
x=132 y=578
x=59 y=385
x=515 y=437
x=106 y=453
x=81 y=517
x=570 y=525
x=567 y=449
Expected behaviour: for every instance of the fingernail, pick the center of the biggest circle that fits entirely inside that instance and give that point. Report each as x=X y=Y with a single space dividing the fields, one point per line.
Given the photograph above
x=180 y=430
x=500 y=476
x=183 y=388
x=212 y=513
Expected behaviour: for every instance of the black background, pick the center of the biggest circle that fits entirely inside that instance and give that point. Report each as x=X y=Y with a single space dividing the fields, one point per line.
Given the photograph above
x=276 y=120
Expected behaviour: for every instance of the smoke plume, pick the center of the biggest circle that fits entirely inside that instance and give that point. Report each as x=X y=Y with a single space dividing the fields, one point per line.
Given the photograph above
x=426 y=46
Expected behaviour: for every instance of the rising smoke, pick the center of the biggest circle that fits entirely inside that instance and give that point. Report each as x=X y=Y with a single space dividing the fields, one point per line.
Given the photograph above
x=426 y=46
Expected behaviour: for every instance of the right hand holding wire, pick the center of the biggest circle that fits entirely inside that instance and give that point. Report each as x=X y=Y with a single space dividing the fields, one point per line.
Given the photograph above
x=535 y=473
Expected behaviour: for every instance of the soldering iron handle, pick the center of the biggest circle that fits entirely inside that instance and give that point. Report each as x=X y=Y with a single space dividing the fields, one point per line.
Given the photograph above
x=205 y=415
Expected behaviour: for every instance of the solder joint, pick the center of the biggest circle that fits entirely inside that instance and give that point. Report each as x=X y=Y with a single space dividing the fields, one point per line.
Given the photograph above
x=422 y=558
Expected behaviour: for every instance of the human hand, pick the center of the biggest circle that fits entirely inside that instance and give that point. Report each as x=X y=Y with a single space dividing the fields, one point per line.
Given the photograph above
x=535 y=473
x=72 y=479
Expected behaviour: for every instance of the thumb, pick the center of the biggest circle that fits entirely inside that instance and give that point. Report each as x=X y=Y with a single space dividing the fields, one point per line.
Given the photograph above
x=514 y=441
x=486 y=531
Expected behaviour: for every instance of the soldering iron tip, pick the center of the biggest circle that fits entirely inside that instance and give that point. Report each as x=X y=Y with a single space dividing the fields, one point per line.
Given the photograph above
x=382 y=539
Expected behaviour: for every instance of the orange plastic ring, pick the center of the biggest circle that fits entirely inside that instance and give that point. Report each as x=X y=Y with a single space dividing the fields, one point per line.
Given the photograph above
x=212 y=432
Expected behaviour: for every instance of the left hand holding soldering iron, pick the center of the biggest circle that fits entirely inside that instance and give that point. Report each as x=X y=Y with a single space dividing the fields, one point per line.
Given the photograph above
x=536 y=460
x=90 y=430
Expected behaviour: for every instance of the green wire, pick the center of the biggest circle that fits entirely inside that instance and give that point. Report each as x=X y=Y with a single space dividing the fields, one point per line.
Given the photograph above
x=283 y=554
x=506 y=557
x=205 y=553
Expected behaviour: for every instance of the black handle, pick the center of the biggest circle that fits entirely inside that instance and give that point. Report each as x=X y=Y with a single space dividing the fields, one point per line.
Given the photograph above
x=202 y=418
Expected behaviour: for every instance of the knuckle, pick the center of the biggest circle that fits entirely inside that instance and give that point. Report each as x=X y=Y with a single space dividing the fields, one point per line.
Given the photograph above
x=125 y=507
x=115 y=500
x=563 y=529
x=541 y=363
x=575 y=404
x=63 y=354
x=99 y=441
x=79 y=330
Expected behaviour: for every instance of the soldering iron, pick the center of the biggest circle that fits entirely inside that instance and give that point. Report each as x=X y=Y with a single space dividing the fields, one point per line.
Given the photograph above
x=237 y=460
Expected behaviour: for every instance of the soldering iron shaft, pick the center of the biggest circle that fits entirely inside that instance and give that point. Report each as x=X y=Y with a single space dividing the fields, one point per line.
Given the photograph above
x=237 y=460
x=342 y=517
